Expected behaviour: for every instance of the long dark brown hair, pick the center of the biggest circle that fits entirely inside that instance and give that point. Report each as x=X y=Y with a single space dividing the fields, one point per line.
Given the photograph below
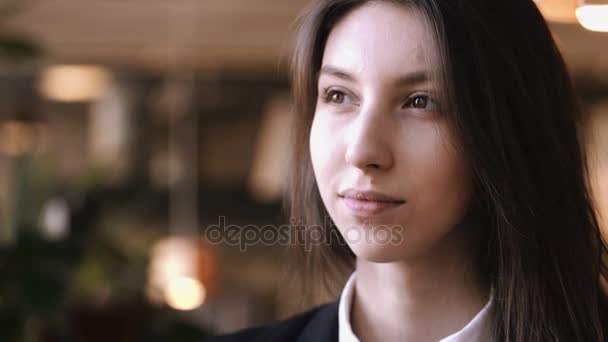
x=509 y=99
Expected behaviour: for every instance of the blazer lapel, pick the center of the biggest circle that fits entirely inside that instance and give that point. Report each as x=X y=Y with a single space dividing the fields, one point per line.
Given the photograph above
x=323 y=327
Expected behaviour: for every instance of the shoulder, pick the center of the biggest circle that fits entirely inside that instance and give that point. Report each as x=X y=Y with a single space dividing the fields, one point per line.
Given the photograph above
x=317 y=324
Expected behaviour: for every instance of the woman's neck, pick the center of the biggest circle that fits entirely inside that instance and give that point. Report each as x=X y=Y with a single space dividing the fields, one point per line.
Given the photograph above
x=422 y=299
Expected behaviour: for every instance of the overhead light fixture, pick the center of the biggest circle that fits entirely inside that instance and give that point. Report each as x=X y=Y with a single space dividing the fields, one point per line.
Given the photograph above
x=74 y=83
x=593 y=15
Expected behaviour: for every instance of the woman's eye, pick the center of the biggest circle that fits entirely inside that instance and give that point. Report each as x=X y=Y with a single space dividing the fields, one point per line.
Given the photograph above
x=421 y=102
x=335 y=96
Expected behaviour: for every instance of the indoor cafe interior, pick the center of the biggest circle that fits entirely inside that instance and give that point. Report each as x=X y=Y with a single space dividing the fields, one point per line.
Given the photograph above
x=129 y=129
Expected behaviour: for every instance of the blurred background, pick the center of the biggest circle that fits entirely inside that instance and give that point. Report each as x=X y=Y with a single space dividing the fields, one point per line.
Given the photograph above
x=129 y=128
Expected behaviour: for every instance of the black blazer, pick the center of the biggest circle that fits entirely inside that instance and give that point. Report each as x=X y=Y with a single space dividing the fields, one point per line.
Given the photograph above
x=319 y=324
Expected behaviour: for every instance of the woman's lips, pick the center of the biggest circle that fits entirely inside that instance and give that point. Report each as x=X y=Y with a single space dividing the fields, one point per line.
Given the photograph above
x=368 y=208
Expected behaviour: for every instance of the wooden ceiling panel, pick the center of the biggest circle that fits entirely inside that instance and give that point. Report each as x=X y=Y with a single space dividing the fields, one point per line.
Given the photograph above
x=207 y=33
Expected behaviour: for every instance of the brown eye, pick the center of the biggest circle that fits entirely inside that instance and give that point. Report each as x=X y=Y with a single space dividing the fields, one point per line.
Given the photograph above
x=336 y=97
x=420 y=102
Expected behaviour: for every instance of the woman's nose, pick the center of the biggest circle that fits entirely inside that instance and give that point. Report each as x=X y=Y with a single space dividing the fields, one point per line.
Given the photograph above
x=368 y=145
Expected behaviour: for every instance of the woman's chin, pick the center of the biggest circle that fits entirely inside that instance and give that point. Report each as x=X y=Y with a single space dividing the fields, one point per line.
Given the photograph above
x=379 y=253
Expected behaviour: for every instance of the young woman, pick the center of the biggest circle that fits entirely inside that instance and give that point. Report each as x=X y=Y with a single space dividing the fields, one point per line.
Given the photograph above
x=440 y=139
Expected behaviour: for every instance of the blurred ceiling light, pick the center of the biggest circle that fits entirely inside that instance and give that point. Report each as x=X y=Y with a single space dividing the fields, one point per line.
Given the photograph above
x=562 y=11
x=184 y=293
x=593 y=17
x=74 y=83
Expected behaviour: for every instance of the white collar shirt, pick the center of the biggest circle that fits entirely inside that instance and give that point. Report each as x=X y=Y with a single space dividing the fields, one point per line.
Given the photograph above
x=475 y=331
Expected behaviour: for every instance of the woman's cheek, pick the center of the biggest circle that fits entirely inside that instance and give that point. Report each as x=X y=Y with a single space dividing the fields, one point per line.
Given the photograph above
x=316 y=152
x=325 y=153
x=320 y=142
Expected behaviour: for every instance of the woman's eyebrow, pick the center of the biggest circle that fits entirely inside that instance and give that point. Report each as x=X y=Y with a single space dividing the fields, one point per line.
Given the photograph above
x=415 y=77
x=336 y=72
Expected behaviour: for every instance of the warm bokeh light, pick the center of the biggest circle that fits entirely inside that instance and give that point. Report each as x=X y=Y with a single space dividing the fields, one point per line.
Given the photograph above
x=561 y=11
x=74 y=83
x=184 y=293
x=180 y=273
x=593 y=17
x=172 y=258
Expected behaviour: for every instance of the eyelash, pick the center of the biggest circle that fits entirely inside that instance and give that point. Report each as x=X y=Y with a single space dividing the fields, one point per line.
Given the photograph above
x=428 y=99
x=327 y=93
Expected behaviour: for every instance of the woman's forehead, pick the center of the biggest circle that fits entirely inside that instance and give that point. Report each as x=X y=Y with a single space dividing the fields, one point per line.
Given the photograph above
x=381 y=40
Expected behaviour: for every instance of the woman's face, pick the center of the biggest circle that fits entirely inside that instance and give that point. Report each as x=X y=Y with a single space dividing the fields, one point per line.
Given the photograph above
x=377 y=129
